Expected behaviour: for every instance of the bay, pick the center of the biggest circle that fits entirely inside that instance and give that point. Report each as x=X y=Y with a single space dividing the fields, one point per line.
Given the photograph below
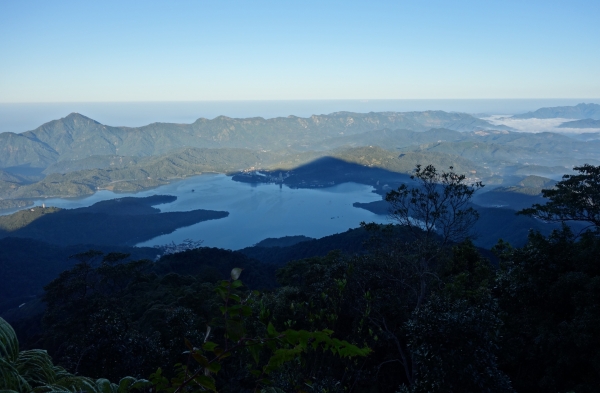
x=256 y=211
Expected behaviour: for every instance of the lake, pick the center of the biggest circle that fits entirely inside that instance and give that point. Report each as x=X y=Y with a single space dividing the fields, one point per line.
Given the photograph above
x=255 y=211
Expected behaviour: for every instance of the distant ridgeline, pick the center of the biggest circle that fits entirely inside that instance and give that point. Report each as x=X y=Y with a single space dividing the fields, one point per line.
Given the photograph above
x=585 y=123
x=109 y=308
x=580 y=111
x=76 y=156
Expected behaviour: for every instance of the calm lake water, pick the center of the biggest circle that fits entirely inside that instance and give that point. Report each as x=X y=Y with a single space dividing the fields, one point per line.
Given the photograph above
x=256 y=212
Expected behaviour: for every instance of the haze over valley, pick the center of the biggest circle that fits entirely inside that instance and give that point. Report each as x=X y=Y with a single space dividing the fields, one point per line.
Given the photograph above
x=299 y=197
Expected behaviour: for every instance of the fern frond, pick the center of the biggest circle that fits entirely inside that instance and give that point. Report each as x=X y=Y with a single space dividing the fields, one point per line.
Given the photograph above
x=10 y=379
x=105 y=386
x=140 y=384
x=36 y=367
x=76 y=384
x=51 y=389
x=9 y=345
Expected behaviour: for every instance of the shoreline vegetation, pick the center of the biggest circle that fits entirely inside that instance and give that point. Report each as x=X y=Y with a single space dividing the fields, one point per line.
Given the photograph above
x=459 y=291
x=77 y=156
x=416 y=301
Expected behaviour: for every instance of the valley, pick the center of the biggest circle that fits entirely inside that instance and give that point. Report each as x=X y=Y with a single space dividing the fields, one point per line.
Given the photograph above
x=299 y=197
x=140 y=225
x=76 y=156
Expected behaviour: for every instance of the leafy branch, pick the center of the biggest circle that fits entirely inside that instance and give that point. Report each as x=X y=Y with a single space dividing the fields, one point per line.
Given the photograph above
x=282 y=347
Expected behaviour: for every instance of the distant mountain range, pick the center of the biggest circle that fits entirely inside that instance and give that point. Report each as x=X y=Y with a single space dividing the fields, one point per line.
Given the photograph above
x=76 y=136
x=584 y=123
x=580 y=111
x=76 y=155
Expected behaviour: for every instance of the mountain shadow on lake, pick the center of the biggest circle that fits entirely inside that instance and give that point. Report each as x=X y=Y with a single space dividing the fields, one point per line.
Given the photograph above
x=494 y=223
x=326 y=172
x=122 y=221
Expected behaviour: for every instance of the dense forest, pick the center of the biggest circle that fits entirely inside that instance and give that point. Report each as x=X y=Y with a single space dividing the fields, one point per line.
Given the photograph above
x=412 y=306
x=76 y=156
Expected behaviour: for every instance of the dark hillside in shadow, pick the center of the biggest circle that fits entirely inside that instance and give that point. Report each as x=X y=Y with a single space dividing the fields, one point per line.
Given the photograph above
x=120 y=222
x=349 y=242
x=493 y=224
x=27 y=265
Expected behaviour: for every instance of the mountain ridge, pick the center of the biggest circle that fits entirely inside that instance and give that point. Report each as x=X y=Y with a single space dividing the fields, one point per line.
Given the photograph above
x=579 y=111
x=582 y=123
x=77 y=136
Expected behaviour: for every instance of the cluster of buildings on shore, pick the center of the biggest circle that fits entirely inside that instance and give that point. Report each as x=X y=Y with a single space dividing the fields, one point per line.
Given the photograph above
x=256 y=175
x=172 y=248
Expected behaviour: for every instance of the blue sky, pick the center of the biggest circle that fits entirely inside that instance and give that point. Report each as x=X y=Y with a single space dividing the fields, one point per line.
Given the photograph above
x=83 y=51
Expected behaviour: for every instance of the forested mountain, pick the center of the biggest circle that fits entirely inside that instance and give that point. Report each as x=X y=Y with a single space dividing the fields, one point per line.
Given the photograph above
x=76 y=136
x=134 y=175
x=584 y=123
x=77 y=156
x=397 y=308
x=72 y=178
x=492 y=153
x=579 y=111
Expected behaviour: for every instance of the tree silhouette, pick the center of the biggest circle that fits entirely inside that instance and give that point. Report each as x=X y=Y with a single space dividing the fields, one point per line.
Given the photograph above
x=575 y=198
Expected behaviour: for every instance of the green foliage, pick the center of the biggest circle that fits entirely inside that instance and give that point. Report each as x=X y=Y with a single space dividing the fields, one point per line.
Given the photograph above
x=548 y=292
x=467 y=275
x=34 y=371
x=109 y=317
x=278 y=347
x=453 y=345
x=6 y=204
x=210 y=264
x=117 y=319
x=9 y=346
x=374 y=299
x=575 y=198
x=23 y=218
x=439 y=205
x=349 y=242
x=28 y=265
x=454 y=337
x=431 y=316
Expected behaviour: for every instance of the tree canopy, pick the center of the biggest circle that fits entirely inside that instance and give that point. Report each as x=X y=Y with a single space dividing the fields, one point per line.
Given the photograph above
x=575 y=198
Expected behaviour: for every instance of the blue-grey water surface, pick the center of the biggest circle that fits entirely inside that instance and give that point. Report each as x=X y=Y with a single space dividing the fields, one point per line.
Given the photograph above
x=256 y=212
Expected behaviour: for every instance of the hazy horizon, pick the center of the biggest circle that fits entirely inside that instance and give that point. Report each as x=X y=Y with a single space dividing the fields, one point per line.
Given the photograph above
x=21 y=117
x=72 y=51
